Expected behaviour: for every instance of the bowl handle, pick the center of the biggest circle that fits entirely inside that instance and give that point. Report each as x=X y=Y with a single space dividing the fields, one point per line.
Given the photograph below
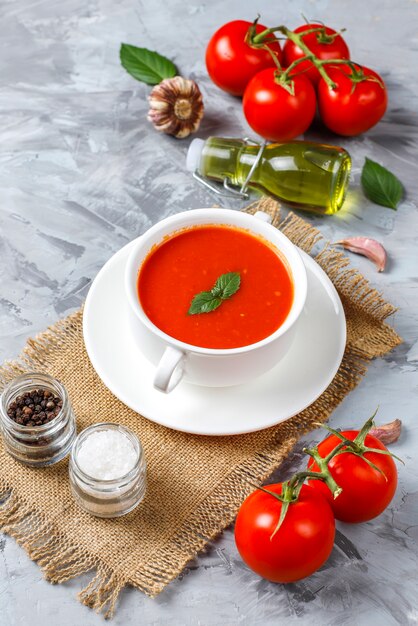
x=263 y=216
x=170 y=370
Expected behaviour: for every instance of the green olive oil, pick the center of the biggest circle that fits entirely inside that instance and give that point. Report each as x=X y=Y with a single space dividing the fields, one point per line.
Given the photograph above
x=308 y=175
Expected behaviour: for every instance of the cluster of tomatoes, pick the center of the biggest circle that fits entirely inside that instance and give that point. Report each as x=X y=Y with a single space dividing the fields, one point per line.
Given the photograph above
x=289 y=549
x=282 y=88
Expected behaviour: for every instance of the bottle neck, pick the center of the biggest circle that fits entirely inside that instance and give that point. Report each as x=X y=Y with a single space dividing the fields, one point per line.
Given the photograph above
x=227 y=158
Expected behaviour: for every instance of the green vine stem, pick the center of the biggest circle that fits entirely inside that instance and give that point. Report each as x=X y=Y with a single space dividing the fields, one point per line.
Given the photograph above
x=298 y=40
x=252 y=40
x=261 y=40
x=292 y=487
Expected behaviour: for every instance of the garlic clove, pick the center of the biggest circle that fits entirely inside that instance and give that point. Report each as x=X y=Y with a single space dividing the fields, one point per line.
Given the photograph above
x=176 y=106
x=387 y=433
x=369 y=248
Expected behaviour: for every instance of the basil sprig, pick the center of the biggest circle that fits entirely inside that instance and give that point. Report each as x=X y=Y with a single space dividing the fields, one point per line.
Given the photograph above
x=146 y=65
x=207 y=301
x=380 y=185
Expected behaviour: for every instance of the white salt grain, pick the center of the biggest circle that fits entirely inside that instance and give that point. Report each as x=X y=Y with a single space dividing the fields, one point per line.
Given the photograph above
x=106 y=455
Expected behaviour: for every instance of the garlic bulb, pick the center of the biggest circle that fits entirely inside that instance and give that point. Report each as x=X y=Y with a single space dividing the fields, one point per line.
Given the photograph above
x=176 y=106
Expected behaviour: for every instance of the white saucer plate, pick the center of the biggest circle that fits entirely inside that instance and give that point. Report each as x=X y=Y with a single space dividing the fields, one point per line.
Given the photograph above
x=291 y=386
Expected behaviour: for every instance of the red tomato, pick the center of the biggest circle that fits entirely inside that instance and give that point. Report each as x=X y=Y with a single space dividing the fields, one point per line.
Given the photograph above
x=301 y=545
x=231 y=62
x=273 y=112
x=334 y=49
x=366 y=492
x=351 y=108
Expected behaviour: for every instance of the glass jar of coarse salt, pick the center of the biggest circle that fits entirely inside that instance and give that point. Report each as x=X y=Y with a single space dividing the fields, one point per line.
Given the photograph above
x=107 y=470
x=36 y=419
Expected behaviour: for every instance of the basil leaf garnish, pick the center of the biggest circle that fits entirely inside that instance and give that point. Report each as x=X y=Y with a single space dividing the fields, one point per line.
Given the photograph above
x=207 y=301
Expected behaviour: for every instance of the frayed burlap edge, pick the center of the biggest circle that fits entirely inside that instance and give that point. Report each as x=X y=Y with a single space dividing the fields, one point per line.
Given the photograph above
x=61 y=561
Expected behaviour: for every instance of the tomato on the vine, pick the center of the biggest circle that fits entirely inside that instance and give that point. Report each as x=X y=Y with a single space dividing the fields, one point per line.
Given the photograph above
x=366 y=491
x=230 y=59
x=325 y=44
x=357 y=102
x=301 y=545
x=275 y=112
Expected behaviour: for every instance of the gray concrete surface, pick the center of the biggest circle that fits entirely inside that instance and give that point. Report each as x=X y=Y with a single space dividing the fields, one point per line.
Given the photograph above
x=82 y=173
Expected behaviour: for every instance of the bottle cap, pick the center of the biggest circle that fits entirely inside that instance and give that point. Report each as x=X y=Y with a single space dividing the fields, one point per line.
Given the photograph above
x=194 y=154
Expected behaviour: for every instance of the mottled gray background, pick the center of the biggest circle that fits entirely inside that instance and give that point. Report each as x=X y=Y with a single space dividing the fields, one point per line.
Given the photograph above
x=82 y=173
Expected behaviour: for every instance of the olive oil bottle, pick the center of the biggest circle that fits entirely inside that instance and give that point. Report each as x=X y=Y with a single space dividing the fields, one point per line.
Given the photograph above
x=308 y=175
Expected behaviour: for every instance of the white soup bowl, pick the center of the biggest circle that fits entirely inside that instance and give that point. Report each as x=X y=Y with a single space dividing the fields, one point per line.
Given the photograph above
x=176 y=360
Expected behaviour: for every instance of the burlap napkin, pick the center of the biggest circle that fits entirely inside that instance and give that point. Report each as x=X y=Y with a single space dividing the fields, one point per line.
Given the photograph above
x=195 y=484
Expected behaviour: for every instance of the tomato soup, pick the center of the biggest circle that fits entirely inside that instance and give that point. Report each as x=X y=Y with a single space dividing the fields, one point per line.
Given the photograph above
x=190 y=261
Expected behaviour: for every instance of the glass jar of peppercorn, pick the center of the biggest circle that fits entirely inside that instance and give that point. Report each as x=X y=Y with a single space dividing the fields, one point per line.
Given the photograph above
x=36 y=418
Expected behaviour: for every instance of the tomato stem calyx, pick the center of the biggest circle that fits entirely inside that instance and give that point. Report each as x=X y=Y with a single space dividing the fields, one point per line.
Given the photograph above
x=358 y=446
x=287 y=496
x=252 y=39
x=260 y=40
x=327 y=38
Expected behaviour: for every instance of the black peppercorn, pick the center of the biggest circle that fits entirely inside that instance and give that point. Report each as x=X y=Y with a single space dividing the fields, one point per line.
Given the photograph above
x=34 y=408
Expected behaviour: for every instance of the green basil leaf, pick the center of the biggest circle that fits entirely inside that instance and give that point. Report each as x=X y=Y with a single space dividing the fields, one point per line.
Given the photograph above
x=204 y=302
x=146 y=65
x=211 y=305
x=227 y=285
x=380 y=185
x=207 y=301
